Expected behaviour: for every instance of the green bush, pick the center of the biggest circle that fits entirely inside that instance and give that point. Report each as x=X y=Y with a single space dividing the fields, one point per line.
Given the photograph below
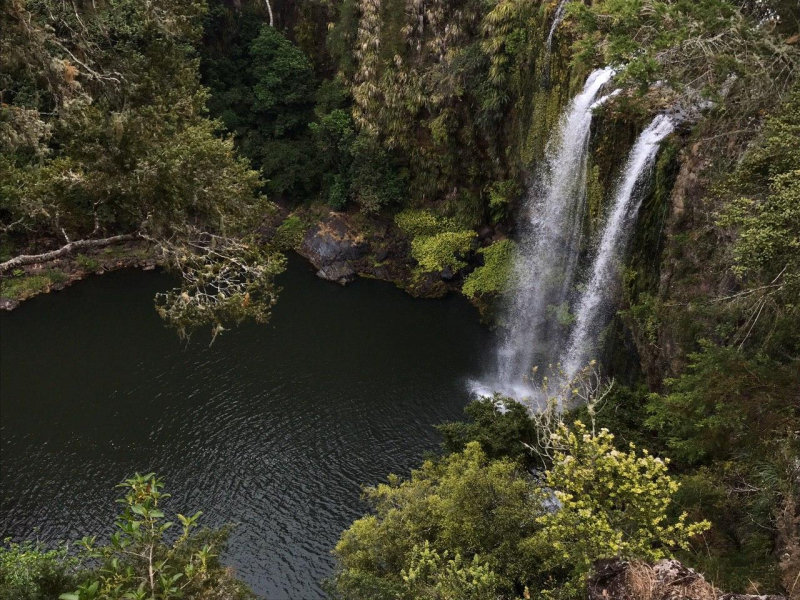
x=610 y=503
x=493 y=276
x=501 y=433
x=415 y=223
x=141 y=561
x=467 y=526
x=290 y=233
x=437 y=252
x=28 y=571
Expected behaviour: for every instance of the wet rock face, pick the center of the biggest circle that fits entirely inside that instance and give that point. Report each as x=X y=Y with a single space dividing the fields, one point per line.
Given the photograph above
x=333 y=247
x=340 y=272
x=332 y=241
x=616 y=579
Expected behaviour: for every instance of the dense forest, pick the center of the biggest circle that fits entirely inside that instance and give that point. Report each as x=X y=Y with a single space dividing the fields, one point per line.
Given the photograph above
x=211 y=137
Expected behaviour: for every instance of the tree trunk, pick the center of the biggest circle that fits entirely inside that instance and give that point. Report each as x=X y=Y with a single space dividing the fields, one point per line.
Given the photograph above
x=29 y=259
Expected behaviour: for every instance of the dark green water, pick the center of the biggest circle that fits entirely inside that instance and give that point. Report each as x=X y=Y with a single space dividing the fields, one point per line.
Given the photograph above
x=274 y=427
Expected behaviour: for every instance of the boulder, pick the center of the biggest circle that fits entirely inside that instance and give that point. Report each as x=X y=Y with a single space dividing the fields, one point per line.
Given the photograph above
x=332 y=246
x=341 y=272
x=447 y=274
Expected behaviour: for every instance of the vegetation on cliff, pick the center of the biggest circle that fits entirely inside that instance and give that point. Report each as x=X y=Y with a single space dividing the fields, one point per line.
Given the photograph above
x=431 y=115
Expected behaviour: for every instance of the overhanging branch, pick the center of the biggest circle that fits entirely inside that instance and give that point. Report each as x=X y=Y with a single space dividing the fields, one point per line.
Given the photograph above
x=29 y=259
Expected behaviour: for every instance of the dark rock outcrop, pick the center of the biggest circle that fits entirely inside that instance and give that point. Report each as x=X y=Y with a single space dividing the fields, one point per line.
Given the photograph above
x=617 y=579
x=340 y=272
x=334 y=248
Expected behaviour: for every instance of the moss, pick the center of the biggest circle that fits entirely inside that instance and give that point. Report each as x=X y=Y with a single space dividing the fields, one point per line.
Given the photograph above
x=25 y=286
x=87 y=263
x=415 y=223
x=493 y=276
x=437 y=252
x=290 y=233
x=595 y=195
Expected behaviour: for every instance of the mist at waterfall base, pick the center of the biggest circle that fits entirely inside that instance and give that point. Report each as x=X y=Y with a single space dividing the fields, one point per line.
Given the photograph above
x=548 y=248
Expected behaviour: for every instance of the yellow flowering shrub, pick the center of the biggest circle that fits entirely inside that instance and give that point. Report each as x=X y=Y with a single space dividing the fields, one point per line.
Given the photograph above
x=607 y=503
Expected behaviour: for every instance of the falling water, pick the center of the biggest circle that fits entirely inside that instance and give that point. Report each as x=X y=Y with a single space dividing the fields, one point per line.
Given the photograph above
x=593 y=304
x=557 y=18
x=548 y=247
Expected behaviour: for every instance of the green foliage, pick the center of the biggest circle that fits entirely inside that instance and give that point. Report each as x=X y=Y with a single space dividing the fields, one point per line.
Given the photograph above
x=290 y=232
x=501 y=526
x=501 y=194
x=437 y=241
x=436 y=91
x=493 y=276
x=766 y=216
x=29 y=571
x=118 y=142
x=699 y=41
x=724 y=404
x=610 y=503
x=501 y=426
x=423 y=223
x=283 y=99
x=437 y=252
x=464 y=505
x=141 y=561
x=334 y=135
x=263 y=89
x=432 y=576
x=377 y=180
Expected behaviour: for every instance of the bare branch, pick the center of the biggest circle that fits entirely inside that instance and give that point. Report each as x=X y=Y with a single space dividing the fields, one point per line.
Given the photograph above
x=29 y=259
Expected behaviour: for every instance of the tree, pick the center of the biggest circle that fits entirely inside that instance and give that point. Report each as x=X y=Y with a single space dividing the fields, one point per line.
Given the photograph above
x=462 y=507
x=468 y=526
x=105 y=139
x=609 y=504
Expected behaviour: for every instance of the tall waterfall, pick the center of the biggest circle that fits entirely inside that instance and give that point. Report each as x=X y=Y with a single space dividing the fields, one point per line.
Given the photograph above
x=548 y=247
x=590 y=315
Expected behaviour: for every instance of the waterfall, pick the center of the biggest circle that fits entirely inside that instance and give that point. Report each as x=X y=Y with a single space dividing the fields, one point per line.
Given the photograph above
x=557 y=18
x=548 y=248
x=590 y=315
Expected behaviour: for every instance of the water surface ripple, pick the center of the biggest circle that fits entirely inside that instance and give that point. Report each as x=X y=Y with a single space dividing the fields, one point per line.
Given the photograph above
x=274 y=427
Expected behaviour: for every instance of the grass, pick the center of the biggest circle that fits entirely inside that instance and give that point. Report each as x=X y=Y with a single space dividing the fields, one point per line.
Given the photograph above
x=25 y=286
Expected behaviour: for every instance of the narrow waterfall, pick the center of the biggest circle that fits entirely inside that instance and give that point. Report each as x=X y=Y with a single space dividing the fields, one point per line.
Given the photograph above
x=557 y=18
x=591 y=315
x=548 y=247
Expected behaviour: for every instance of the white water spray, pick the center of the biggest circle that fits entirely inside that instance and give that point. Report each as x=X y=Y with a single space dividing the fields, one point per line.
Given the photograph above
x=548 y=248
x=590 y=315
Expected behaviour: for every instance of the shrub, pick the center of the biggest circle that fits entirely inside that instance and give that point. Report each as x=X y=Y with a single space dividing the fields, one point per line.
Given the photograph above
x=142 y=562
x=416 y=223
x=437 y=252
x=28 y=571
x=290 y=233
x=467 y=526
x=610 y=503
x=493 y=276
